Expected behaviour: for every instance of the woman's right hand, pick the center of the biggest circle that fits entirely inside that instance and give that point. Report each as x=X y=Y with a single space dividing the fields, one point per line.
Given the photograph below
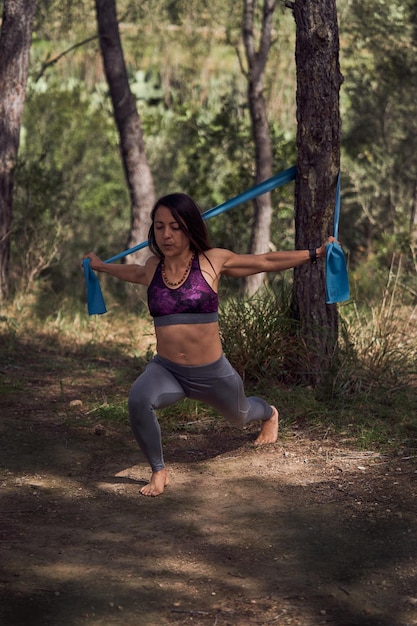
x=95 y=262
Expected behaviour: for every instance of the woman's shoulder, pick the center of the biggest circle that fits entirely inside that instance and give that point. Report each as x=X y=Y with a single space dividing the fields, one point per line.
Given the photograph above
x=150 y=266
x=218 y=258
x=218 y=254
x=152 y=261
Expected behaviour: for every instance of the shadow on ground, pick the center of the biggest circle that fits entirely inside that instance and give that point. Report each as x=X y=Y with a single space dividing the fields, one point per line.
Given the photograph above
x=295 y=533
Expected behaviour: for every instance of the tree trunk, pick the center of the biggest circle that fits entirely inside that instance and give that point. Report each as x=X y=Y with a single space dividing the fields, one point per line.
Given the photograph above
x=318 y=162
x=137 y=171
x=15 y=40
x=256 y=60
x=413 y=227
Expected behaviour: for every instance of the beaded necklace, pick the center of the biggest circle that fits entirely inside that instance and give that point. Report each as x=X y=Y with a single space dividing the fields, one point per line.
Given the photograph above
x=182 y=279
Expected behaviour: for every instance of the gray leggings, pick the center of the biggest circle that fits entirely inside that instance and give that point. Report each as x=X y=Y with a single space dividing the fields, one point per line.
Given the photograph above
x=163 y=383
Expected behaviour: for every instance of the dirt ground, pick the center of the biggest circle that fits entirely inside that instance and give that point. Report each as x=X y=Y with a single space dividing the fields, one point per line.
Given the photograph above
x=304 y=532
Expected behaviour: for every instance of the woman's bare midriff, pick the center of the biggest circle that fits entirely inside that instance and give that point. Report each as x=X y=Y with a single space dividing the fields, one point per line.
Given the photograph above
x=189 y=344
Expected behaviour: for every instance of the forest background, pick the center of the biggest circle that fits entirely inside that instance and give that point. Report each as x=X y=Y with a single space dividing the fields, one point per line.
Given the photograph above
x=70 y=191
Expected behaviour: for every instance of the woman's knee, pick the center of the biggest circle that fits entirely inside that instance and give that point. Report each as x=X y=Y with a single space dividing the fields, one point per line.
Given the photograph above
x=139 y=401
x=238 y=420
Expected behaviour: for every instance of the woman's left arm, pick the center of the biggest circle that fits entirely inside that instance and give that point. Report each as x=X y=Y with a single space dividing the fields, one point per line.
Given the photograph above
x=241 y=265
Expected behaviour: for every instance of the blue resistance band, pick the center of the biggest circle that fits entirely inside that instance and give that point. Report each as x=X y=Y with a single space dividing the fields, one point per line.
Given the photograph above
x=95 y=300
x=337 y=285
x=337 y=282
x=267 y=185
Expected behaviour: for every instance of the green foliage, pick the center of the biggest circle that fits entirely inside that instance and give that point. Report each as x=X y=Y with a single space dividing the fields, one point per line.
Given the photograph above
x=380 y=131
x=70 y=187
x=368 y=398
x=70 y=190
x=369 y=391
x=207 y=152
x=258 y=335
x=372 y=387
x=70 y=193
x=61 y=14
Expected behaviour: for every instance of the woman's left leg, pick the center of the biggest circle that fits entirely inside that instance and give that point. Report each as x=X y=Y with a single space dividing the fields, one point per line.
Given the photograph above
x=227 y=395
x=219 y=385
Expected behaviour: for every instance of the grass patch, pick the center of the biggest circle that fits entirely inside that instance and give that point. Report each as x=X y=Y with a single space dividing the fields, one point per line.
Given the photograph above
x=9 y=387
x=369 y=397
x=114 y=411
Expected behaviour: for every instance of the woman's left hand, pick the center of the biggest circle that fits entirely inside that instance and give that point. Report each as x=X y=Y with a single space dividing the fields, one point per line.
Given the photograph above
x=321 y=252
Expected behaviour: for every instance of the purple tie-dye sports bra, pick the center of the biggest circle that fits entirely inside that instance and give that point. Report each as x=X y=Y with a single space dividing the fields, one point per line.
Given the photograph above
x=194 y=302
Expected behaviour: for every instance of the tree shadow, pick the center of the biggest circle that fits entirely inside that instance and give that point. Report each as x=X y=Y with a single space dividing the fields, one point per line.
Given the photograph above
x=226 y=545
x=74 y=551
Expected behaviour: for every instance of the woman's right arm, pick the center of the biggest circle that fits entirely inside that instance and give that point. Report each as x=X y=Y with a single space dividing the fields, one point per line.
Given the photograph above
x=140 y=274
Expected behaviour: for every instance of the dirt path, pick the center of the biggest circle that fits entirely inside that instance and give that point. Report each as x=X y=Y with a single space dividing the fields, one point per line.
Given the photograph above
x=304 y=532
x=299 y=533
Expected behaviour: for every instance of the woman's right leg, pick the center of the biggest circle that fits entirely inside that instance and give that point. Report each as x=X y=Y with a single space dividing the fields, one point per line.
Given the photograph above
x=156 y=388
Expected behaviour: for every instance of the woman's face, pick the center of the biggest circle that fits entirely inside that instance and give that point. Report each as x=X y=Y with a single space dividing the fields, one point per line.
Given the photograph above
x=169 y=237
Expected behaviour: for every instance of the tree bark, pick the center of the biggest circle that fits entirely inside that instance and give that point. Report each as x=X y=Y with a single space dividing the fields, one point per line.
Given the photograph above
x=15 y=41
x=318 y=163
x=137 y=171
x=256 y=60
x=413 y=226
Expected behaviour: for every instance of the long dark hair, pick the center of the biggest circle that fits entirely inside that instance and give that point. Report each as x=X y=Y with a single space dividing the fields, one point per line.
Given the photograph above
x=186 y=212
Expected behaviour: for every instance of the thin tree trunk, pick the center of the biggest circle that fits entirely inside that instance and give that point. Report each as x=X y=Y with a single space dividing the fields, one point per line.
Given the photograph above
x=137 y=171
x=318 y=162
x=413 y=226
x=15 y=41
x=256 y=60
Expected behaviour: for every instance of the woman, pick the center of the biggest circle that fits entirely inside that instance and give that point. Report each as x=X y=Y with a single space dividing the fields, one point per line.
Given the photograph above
x=182 y=277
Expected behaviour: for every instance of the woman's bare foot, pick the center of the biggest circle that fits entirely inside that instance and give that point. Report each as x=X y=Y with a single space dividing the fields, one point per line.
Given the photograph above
x=269 y=430
x=156 y=485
